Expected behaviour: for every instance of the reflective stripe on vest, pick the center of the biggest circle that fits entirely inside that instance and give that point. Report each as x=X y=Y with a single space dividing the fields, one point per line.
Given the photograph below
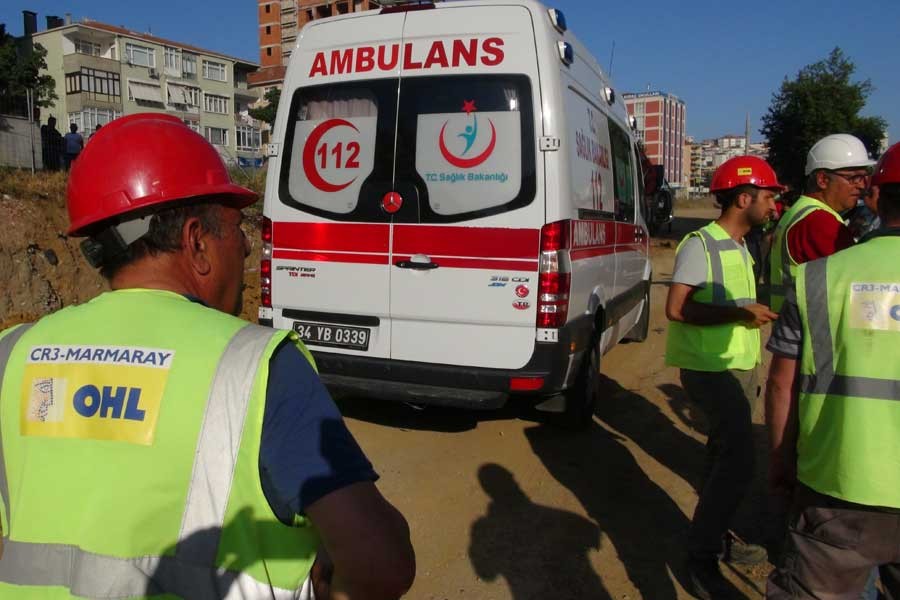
x=713 y=247
x=824 y=380
x=6 y=347
x=186 y=574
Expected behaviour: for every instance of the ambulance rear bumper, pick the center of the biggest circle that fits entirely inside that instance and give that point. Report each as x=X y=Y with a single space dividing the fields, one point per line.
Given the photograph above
x=454 y=385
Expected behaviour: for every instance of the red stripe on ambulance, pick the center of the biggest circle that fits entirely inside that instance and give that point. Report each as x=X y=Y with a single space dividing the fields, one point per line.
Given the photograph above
x=339 y=257
x=476 y=242
x=332 y=237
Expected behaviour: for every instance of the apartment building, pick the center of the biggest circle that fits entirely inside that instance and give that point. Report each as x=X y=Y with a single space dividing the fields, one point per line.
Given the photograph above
x=103 y=72
x=279 y=23
x=660 y=121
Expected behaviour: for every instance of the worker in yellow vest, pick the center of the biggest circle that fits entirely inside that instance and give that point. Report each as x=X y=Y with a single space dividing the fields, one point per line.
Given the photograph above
x=833 y=412
x=714 y=339
x=837 y=171
x=154 y=445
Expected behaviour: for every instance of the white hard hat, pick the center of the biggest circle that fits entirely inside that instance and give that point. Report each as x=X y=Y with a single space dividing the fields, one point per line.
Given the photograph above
x=837 y=151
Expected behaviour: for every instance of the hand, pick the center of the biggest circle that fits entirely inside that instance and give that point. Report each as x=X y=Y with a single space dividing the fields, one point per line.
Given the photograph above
x=758 y=315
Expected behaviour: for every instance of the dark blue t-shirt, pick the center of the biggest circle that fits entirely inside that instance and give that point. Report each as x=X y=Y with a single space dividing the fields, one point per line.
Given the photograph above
x=306 y=451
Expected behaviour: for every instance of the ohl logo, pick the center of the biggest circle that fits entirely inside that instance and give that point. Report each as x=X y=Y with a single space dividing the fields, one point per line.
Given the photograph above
x=469 y=134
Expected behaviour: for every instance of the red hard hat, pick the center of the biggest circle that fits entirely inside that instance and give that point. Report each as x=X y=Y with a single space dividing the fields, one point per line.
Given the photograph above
x=144 y=160
x=888 y=168
x=744 y=170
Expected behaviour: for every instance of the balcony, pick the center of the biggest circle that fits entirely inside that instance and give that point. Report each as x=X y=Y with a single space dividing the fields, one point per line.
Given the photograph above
x=80 y=100
x=73 y=62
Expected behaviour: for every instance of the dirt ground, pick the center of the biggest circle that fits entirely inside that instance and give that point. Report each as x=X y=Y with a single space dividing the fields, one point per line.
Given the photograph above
x=500 y=506
x=503 y=507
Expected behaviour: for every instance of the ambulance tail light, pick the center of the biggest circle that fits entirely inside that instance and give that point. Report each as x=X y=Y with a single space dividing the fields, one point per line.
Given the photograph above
x=554 y=277
x=525 y=384
x=265 y=264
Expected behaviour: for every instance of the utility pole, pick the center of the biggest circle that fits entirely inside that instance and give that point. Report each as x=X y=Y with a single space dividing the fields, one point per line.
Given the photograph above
x=747 y=135
x=29 y=97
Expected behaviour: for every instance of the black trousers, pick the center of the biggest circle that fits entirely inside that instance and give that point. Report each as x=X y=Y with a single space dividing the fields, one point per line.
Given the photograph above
x=728 y=399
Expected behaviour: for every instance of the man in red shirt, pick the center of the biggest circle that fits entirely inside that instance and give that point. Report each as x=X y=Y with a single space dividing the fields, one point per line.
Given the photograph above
x=837 y=172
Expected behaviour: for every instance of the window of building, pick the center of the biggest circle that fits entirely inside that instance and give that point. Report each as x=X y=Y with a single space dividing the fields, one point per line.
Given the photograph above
x=141 y=56
x=173 y=59
x=104 y=85
x=86 y=47
x=214 y=70
x=268 y=8
x=188 y=66
x=640 y=108
x=268 y=29
x=268 y=52
x=217 y=136
x=215 y=104
x=145 y=92
x=88 y=118
x=183 y=94
x=247 y=138
x=192 y=125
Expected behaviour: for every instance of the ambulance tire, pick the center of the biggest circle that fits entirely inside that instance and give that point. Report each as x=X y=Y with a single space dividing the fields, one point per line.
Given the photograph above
x=581 y=399
x=641 y=329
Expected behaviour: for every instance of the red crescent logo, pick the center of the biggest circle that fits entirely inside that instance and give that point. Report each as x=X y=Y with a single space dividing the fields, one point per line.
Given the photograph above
x=309 y=155
x=468 y=163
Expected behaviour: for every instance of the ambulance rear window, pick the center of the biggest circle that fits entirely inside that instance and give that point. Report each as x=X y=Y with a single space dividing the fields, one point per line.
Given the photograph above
x=463 y=147
x=469 y=142
x=339 y=138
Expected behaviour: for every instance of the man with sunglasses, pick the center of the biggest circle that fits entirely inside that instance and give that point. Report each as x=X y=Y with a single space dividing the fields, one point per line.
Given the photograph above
x=837 y=174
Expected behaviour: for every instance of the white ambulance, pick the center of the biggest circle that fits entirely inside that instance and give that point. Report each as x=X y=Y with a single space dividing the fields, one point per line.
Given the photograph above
x=451 y=210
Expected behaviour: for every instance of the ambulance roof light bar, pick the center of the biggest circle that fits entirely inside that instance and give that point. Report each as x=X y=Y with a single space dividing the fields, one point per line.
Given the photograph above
x=395 y=6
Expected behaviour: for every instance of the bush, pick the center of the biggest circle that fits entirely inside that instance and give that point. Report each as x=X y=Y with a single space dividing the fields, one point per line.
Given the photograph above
x=20 y=184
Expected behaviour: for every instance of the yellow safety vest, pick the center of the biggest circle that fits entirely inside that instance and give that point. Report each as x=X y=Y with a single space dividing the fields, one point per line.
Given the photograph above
x=783 y=267
x=848 y=445
x=729 y=282
x=130 y=429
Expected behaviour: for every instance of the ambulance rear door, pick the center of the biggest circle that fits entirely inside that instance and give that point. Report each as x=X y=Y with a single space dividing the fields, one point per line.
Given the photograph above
x=465 y=245
x=331 y=266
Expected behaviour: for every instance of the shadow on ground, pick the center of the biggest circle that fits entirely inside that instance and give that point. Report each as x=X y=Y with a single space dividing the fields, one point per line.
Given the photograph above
x=641 y=420
x=424 y=418
x=540 y=551
x=635 y=515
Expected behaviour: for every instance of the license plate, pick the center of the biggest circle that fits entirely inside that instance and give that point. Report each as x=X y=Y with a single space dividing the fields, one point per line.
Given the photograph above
x=333 y=336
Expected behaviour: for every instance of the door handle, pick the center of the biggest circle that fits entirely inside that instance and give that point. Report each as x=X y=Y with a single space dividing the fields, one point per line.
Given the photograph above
x=408 y=264
x=419 y=262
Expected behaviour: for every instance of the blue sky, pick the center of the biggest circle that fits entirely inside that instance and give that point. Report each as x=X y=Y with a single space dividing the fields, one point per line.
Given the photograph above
x=723 y=59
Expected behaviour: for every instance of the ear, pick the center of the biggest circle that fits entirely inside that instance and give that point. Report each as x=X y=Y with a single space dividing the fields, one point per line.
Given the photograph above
x=743 y=200
x=822 y=180
x=195 y=243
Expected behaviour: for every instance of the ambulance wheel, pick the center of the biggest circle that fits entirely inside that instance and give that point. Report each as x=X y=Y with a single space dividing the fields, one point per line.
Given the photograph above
x=641 y=329
x=581 y=399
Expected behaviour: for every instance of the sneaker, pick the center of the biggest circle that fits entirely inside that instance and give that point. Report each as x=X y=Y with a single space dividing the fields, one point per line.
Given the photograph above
x=707 y=582
x=741 y=553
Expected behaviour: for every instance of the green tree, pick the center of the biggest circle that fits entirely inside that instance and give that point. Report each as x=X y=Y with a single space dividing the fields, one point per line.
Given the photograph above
x=20 y=70
x=822 y=100
x=267 y=113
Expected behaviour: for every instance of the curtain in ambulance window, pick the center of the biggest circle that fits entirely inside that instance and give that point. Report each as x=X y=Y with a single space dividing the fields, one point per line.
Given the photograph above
x=333 y=147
